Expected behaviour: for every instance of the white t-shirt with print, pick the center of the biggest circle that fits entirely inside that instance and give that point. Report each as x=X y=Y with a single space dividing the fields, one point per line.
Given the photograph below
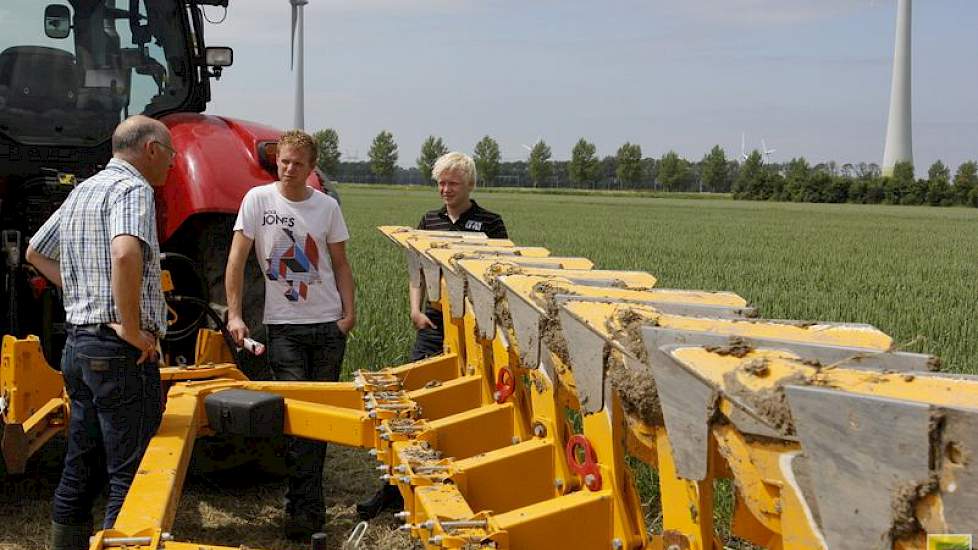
x=290 y=244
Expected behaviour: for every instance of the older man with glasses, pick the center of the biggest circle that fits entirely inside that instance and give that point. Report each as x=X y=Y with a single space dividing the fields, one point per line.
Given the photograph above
x=101 y=248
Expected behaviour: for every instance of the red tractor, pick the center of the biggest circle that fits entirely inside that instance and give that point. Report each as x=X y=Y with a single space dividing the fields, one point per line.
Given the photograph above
x=69 y=73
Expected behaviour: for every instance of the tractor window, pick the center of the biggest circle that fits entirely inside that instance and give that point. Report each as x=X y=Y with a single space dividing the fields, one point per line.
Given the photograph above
x=121 y=57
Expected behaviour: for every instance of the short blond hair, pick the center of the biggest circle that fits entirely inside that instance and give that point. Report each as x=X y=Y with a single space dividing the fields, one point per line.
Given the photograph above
x=456 y=162
x=298 y=139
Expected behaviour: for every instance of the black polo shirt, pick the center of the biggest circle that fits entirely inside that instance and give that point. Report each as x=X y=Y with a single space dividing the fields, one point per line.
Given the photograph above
x=475 y=219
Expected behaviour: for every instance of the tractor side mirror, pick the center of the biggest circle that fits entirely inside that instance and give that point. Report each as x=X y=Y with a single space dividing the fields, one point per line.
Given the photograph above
x=57 y=21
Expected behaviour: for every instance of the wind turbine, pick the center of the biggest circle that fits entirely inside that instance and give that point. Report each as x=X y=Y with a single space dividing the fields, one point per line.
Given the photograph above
x=765 y=152
x=899 y=140
x=743 y=147
x=297 y=63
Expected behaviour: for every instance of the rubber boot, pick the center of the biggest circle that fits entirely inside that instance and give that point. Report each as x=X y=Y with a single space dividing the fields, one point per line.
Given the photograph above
x=388 y=497
x=70 y=537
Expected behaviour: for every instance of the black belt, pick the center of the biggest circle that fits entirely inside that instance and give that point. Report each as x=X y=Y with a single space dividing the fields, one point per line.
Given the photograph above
x=92 y=328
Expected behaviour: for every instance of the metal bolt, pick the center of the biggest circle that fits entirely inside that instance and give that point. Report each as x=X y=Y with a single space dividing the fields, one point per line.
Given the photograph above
x=496 y=395
x=539 y=430
x=617 y=544
x=558 y=484
x=385 y=478
x=372 y=452
x=406 y=527
x=382 y=468
x=516 y=440
x=673 y=547
x=385 y=436
x=589 y=480
x=379 y=427
x=405 y=480
x=401 y=468
x=402 y=515
x=470 y=370
x=428 y=525
x=436 y=540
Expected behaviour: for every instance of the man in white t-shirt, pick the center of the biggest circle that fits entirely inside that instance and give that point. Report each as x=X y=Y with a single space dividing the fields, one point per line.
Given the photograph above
x=299 y=237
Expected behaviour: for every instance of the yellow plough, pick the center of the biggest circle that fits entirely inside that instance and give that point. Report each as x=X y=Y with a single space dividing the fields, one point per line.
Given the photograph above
x=553 y=374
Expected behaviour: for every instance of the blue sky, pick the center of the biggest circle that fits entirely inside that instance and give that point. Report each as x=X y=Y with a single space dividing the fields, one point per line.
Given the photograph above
x=811 y=77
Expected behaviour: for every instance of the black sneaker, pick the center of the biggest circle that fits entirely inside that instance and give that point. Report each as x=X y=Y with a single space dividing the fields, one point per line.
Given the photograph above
x=301 y=528
x=387 y=498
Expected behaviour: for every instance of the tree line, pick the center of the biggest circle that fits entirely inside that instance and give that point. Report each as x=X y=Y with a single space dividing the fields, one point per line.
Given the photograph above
x=797 y=181
x=752 y=179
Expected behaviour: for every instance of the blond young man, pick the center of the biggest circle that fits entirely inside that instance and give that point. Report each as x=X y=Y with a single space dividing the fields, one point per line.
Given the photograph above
x=456 y=176
x=299 y=237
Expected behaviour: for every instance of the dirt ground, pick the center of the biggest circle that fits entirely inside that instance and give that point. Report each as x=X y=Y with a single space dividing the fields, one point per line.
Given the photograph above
x=232 y=508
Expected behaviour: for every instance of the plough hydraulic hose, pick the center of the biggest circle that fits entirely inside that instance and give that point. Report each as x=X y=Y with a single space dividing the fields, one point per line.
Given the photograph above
x=213 y=315
x=557 y=378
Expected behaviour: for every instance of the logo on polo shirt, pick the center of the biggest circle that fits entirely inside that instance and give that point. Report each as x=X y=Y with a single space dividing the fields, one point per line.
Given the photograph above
x=473 y=225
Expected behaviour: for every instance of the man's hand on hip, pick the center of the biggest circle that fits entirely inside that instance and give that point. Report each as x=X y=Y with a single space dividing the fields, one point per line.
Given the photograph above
x=142 y=340
x=346 y=324
x=421 y=321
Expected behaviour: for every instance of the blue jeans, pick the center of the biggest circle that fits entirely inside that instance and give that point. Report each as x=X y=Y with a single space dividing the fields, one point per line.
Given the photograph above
x=115 y=411
x=311 y=352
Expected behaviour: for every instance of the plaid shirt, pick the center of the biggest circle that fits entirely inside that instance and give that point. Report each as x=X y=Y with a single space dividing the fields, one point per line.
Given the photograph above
x=116 y=201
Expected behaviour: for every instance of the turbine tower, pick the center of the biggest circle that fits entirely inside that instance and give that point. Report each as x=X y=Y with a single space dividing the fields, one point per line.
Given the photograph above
x=297 y=63
x=899 y=142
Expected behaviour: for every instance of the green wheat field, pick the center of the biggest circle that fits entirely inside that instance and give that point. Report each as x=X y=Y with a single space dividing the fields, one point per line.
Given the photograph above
x=910 y=271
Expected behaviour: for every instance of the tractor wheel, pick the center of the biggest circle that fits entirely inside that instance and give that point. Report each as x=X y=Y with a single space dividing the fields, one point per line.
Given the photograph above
x=213 y=244
x=207 y=241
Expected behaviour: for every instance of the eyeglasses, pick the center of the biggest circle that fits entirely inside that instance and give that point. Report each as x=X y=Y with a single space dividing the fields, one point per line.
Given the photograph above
x=171 y=150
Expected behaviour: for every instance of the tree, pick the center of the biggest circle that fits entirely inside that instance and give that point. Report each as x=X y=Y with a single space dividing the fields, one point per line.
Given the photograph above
x=818 y=186
x=875 y=190
x=715 y=171
x=966 y=183
x=540 y=167
x=383 y=156
x=431 y=149
x=487 y=159
x=328 y=144
x=900 y=185
x=796 y=179
x=837 y=190
x=673 y=171
x=629 y=157
x=750 y=179
x=857 y=190
x=584 y=164
x=608 y=169
x=938 y=185
x=650 y=169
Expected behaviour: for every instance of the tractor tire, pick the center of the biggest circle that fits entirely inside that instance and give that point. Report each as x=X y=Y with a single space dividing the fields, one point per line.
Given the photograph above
x=213 y=246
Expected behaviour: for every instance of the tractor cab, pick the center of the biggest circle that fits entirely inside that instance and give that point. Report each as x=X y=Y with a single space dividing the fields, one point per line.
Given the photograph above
x=70 y=72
